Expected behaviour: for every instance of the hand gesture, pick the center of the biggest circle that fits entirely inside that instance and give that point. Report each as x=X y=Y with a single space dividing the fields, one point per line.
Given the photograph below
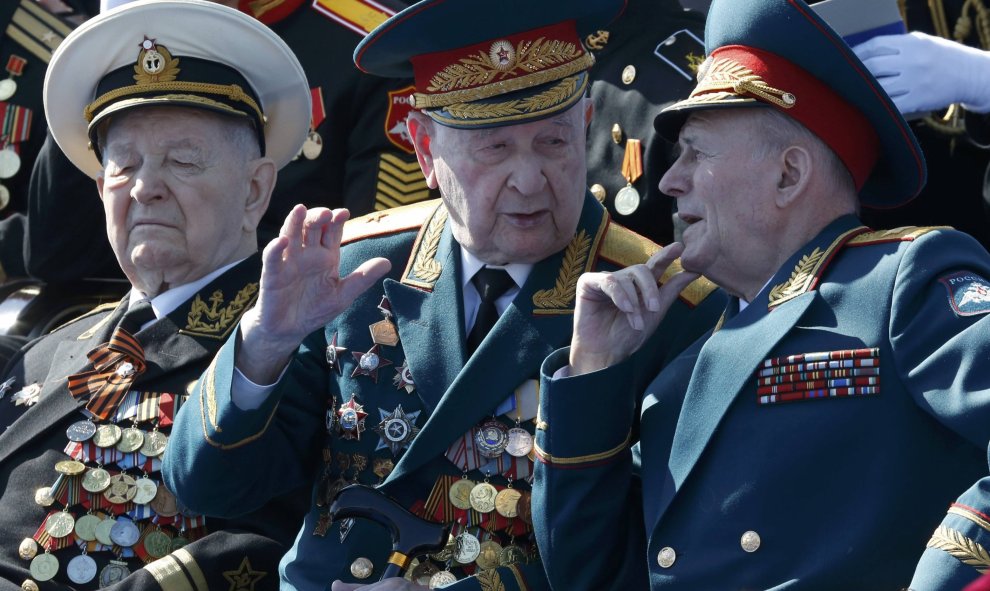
x=301 y=289
x=923 y=73
x=616 y=312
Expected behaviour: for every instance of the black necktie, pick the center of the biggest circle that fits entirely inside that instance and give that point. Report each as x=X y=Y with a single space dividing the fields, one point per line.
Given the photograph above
x=491 y=285
x=136 y=315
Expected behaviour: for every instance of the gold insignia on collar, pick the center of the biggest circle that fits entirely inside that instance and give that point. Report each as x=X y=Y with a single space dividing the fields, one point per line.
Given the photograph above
x=561 y=297
x=800 y=279
x=245 y=577
x=425 y=269
x=597 y=40
x=490 y=580
x=219 y=319
x=694 y=62
x=155 y=64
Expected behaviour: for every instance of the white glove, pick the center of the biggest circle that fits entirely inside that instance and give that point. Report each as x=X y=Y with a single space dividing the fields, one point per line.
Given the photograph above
x=925 y=73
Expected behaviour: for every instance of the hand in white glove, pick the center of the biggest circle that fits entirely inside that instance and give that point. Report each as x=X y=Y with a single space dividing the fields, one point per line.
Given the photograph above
x=926 y=73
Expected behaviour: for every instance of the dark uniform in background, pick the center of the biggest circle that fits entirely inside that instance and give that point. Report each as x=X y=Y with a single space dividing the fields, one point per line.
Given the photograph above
x=358 y=154
x=645 y=61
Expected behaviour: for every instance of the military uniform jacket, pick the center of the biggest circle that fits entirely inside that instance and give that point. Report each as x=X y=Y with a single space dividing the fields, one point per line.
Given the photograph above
x=239 y=554
x=814 y=441
x=287 y=441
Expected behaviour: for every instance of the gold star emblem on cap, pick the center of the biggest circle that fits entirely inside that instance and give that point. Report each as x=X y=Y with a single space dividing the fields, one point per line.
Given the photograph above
x=245 y=577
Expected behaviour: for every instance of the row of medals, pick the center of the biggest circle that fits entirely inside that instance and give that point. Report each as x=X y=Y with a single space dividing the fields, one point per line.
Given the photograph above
x=491 y=439
x=118 y=489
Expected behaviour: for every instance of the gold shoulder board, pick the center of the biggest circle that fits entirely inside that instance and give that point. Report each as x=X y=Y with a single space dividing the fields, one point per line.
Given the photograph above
x=388 y=221
x=904 y=234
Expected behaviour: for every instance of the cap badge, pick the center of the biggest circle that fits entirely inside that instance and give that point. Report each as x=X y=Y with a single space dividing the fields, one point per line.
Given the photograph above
x=503 y=55
x=479 y=69
x=155 y=64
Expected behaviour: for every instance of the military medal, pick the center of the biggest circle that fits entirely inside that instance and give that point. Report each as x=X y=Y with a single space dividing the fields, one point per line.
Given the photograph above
x=468 y=548
x=70 y=467
x=59 y=525
x=27 y=396
x=350 y=419
x=103 y=531
x=512 y=554
x=627 y=199
x=482 y=497
x=333 y=354
x=447 y=552
x=382 y=468
x=442 y=579
x=313 y=145
x=507 y=502
x=15 y=67
x=491 y=438
x=520 y=442
x=396 y=429
x=154 y=444
x=177 y=542
x=384 y=332
x=423 y=572
x=460 y=493
x=10 y=162
x=81 y=569
x=403 y=378
x=362 y=568
x=122 y=489
x=524 y=508
x=131 y=439
x=489 y=555
x=86 y=527
x=107 y=435
x=369 y=363
x=146 y=490
x=44 y=566
x=164 y=503
x=96 y=480
x=125 y=533
x=114 y=572
x=81 y=431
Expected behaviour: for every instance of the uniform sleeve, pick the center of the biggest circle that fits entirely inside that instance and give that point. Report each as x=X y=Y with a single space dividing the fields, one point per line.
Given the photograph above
x=940 y=335
x=215 y=450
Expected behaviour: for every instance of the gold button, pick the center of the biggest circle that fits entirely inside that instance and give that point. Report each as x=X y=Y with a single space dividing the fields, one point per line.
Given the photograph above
x=599 y=192
x=29 y=585
x=617 y=133
x=750 y=541
x=666 y=557
x=28 y=549
x=628 y=74
x=362 y=568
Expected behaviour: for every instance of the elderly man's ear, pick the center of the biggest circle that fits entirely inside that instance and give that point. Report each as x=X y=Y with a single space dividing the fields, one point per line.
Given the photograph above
x=263 y=174
x=795 y=172
x=421 y=130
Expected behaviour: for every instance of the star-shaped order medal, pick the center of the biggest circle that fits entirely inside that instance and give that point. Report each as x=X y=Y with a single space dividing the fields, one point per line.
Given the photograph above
x=27 y=395
x=350 y=419
x=333 y=354
x=369 y=363
x=403 y=378
x=397 y=429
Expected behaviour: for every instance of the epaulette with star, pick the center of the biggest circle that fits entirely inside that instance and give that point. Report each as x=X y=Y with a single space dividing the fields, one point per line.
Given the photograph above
x=388 y=221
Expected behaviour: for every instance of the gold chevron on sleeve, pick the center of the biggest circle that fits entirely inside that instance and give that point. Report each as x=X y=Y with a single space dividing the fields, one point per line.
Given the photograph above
x=400 y=182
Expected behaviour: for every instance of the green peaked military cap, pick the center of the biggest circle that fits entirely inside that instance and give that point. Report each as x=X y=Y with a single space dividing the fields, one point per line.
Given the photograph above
x=781 y=54
x=186 y=53
x=478 y=65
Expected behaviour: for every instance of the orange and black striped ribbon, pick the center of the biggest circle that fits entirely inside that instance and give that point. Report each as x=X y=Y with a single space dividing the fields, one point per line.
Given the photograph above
x=103 y=385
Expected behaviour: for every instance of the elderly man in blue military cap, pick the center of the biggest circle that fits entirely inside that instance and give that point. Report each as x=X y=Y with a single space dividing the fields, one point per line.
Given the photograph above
x=421 y=375
x=815 y=438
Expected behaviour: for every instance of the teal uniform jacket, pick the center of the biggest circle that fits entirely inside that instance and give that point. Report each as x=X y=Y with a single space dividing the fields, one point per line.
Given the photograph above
x=34 y=440
x=224 y=460
x=745 y=485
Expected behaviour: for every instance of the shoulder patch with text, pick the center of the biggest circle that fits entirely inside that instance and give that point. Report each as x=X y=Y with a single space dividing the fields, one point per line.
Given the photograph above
x=969 y=294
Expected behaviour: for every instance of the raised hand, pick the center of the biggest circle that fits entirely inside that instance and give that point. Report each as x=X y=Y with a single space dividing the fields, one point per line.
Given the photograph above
x=616 y=312
x=301 y=289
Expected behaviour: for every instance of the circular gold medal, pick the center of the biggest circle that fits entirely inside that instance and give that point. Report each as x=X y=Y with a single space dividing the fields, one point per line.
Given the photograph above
x=506 y=502
x=107 y=435
x=154 y=444
x=28 y=549
x=131 y=439
x=103 y=531
x=442 y=579
x=59 y=525
x=512 y=555
x=460 y=493
x=488 y=555
x=164 y=503
x=86 y=527
x=146 y=491
x=362 y=568
x=483 y=497
x=468 y=548
x=122 y=489
x=96 y=480
x=43 y=496
x=626 y=200
x=44 y=566
x=524 y=509
x=70 y=467
x=157 y=543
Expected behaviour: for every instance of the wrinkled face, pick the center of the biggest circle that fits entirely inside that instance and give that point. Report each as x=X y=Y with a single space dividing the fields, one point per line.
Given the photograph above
x=514 y=193
x=174 y=189
x=724 y=185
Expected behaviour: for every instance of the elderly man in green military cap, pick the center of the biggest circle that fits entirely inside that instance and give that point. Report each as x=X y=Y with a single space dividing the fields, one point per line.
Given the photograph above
x=431 y=322
x=815 y=438
x=182 y=111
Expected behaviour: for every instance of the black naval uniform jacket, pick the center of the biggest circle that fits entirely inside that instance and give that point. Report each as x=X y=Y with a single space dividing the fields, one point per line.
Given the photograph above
x=33 y=439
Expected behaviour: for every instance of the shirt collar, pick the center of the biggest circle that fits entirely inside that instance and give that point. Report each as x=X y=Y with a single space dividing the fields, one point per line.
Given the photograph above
x=471 y=264
x=166 y=302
